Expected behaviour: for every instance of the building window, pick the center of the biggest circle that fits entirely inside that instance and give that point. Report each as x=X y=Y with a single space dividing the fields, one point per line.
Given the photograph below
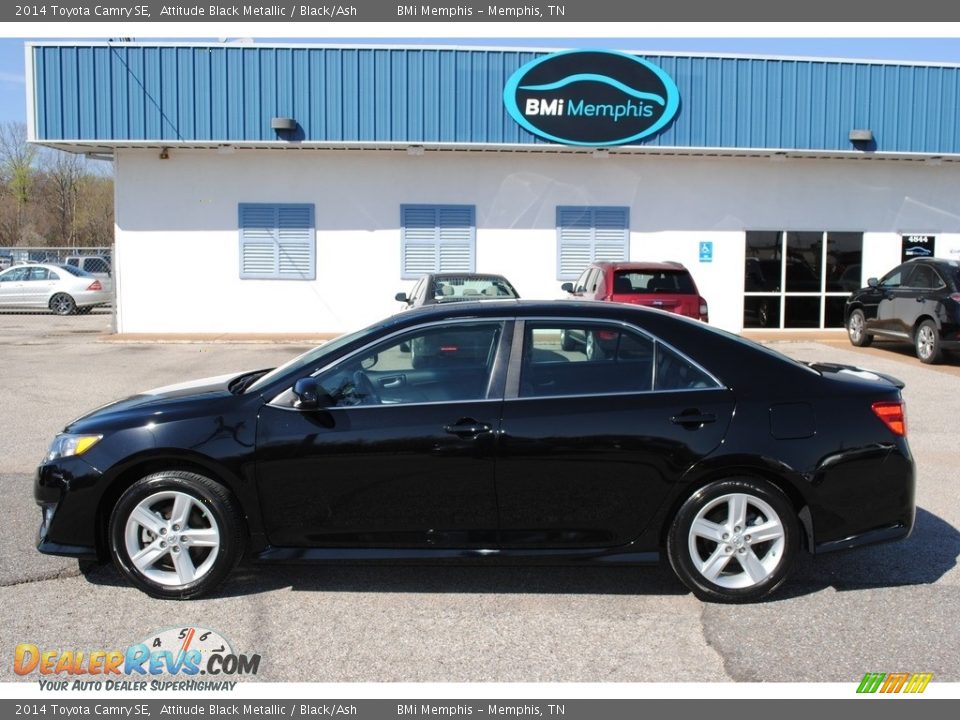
x=277 y=242
x=588 y=234
x=800 y=279
x=437 y=238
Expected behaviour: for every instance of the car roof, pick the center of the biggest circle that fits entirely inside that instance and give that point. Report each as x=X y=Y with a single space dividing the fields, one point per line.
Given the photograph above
x=633 y=265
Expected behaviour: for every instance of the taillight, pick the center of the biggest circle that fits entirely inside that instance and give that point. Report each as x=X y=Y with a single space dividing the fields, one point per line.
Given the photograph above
x=893 y=415
x=704 y=315
x=95 y=285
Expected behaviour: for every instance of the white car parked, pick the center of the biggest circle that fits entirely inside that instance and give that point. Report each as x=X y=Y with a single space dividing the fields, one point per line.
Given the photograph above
x=64 y=289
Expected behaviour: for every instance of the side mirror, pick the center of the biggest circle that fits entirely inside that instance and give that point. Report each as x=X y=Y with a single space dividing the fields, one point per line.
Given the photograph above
x=401 y=297
x=873 y=282
x=310 y=395
x=567 y=287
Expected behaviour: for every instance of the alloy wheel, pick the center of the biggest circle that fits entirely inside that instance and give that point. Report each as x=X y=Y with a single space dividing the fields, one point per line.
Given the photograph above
x=736 y=541
x=172 y=538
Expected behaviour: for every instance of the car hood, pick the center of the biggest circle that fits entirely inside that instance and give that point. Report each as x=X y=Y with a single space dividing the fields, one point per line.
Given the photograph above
x=157 y=401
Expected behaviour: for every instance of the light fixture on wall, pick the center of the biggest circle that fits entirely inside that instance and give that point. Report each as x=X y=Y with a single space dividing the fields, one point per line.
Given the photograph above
x=862 y=139
x=416 y=150
x=282 y=124
x=164 y=153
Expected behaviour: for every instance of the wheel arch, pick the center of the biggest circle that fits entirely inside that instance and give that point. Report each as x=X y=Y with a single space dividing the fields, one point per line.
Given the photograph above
x=157 y=462
x=775 y=477
x=920 y=320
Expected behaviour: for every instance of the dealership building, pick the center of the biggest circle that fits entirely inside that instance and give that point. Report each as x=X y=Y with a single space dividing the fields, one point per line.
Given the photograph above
x=297 y=188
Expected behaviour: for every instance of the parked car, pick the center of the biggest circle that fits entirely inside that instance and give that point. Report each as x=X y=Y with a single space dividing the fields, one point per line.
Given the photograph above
x=688 y=443
x=665 y=286
x=63 y=289
x=917 y=302
x=436 y=288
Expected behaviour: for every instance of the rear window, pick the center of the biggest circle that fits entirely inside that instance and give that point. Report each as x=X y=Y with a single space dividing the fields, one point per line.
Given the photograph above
x=75 y=271
x=643 y=282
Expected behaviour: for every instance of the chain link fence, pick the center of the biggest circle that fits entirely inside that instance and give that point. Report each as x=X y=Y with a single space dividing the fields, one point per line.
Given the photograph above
x=56 y=289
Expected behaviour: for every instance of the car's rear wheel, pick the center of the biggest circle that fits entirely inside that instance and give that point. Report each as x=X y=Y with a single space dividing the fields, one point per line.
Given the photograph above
x=63 y=304
x=734 y=540
x=857 y=329
x=927 y=342
x=176 y=534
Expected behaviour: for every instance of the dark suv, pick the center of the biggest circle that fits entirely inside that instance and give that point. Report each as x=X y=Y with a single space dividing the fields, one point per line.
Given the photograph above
x=916 y=302
x=667 y=286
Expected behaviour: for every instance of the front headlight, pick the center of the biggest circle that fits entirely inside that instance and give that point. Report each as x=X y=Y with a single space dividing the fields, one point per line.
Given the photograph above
x=65 y=445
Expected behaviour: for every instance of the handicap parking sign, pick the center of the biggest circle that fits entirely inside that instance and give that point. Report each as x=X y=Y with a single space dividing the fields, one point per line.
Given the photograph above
x=706 y=251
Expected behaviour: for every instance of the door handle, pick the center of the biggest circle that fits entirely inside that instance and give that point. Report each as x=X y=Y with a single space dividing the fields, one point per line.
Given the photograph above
x=467 y=428
x=393 y=381
x=693 y=419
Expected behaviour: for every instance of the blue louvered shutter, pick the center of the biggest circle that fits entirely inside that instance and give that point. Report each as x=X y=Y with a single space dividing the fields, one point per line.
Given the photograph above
x=437 y=238
x=588 y=234
x=277 y=241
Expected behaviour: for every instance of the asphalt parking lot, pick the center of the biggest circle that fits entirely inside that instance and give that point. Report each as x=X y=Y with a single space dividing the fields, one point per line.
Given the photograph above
x=887 y=608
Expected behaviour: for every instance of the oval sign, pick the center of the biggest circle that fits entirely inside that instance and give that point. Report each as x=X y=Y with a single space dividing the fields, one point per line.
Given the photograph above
x=591 y=97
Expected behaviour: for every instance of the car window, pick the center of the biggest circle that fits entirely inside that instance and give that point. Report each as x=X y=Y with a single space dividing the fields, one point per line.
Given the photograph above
x=584 y=359
x=675 y=372
x=450 y=288
x=52 y=276
x=925 y=277
x=14 y=275
x=38 y=273
x=593 y=280
x=73 y=261
x=581 y=284
x=892 y=278
x=75 y=271
x=434 y=364
x=641 y=282
x=587 y=359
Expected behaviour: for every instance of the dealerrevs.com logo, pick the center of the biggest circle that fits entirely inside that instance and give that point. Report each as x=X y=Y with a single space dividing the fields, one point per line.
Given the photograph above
x=187 y=652
x=591 y=97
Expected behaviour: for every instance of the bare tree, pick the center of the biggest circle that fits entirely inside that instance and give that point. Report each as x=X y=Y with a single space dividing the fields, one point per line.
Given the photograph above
x=65 y=175
x=17 y=172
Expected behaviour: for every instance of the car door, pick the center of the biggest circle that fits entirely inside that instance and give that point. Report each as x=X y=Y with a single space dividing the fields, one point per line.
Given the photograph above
x=917 y=297
x=590 y=447
x=38 y=287
x=879 y=301
x=398 y=456
x=12 y=286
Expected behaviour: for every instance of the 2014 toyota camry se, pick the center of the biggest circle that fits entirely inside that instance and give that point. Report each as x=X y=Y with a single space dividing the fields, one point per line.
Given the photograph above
x=677 y=440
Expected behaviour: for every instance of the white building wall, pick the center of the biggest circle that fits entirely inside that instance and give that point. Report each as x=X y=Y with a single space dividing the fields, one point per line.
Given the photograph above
x=178 y=248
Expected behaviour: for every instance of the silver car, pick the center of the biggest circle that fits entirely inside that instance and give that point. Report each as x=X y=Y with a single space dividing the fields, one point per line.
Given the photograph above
x=63 y=289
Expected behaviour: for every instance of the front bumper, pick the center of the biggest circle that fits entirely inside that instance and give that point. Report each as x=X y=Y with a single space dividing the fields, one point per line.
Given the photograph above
x=65 y=492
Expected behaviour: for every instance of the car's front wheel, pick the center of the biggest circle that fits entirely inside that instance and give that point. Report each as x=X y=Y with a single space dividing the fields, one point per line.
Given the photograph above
x=927 y=342
x=857 y=329
x=176 y=534
x=734 y=540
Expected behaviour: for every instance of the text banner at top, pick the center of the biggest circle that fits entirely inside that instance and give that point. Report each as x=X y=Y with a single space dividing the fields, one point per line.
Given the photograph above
x=556 y=11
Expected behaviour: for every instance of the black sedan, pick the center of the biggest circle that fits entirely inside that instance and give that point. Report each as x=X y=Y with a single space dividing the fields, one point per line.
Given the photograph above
x=683 y=442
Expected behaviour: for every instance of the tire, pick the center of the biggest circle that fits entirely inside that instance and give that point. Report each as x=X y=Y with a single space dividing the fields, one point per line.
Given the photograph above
x=199 y=557
x=715 y=551
x=567 y=343
x=591 y=347
x=62 y=304
x=857 y=330
x=926 y=342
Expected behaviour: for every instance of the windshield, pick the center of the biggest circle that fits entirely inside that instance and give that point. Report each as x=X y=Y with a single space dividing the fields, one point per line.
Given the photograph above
x=449 y=288
x=309 y=358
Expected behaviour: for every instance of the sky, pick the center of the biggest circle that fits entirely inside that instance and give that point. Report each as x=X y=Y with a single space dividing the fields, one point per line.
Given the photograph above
x=912 y=49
